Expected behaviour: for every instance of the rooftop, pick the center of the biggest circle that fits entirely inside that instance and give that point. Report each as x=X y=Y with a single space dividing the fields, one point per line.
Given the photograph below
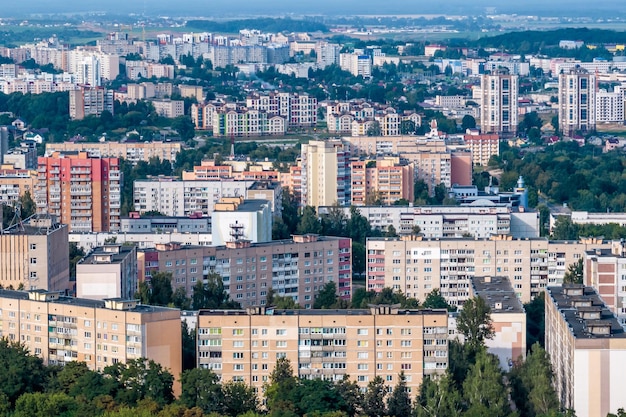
x=585 y=313
x=373 y=310
x=498 y=293
x=108 y=254
x=56 y=297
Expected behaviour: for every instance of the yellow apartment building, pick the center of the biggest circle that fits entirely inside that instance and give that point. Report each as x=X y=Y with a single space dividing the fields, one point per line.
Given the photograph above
x=243 y=345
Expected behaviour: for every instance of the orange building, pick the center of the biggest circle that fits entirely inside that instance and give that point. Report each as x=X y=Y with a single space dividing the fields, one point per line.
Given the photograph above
x=388 y=179
x=82 y=191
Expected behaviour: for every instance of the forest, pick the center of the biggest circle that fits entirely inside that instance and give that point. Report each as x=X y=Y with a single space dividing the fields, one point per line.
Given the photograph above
x=271 y=25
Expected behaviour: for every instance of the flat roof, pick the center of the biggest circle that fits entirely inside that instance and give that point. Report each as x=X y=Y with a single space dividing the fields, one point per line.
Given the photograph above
x=269 y=311
x=81 y=302
x=116 y=257
x=497 y=290
x=566 y=301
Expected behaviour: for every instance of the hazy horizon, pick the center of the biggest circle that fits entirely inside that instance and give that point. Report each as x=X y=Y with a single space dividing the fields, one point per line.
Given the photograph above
x=202 y=8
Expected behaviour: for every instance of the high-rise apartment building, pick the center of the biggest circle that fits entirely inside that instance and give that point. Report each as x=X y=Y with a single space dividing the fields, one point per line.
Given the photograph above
x=498 y=111
x=483 y=147
x=83 y=192
x=299 y=110
x=325 y=173
x=61 y=329
x=587 y=349
x=577 y=101
x=383 y=341
x=386 y=180
x=88 y=100
x=416 y=266
x=35 y=256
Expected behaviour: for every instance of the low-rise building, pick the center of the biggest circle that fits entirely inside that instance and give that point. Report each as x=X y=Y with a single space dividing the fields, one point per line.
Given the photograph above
x=587 y=349
x=107 y=272
x=507 y=316
x=131 y=152
x=169 y=108
x=243 y=345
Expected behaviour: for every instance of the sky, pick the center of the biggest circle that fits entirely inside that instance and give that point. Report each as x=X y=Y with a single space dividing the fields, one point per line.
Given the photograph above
x=214 y=8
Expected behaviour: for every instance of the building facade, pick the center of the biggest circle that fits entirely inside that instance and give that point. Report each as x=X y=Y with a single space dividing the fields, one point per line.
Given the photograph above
x=297 y=268
x=107 y=272
x=35 y=256
x=243 y=345
x=587 y=348
x=90 y=101
x=83 y=192
x=577 y=101
x=499 y=108
x=450 y=264
x=61 y=329
x=325 y=173
x=132 y=152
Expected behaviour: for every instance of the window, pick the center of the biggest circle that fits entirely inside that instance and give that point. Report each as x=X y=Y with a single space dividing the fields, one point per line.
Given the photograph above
x=33 y=261
x=238 y=344
x=281 y=332
x=361 y=332
x=362 y=343
x=237 y=355
x=281 y=343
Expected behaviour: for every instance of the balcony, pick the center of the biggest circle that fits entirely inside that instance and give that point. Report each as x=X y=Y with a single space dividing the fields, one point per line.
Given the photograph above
x=80 y=191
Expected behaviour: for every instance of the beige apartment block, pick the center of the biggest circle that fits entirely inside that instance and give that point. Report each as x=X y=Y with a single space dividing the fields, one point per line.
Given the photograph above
x=35 y=255
x=325 y=173
x=587 y=348
x=498 y=102
x=416 y=266
x=61 y=329
x=132 y=152
x=243 y=345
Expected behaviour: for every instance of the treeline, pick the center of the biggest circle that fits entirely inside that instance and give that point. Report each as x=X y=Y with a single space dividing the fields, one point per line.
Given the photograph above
x=533 y=41
x=581 y=176
x=12 y=38
x=277 y=25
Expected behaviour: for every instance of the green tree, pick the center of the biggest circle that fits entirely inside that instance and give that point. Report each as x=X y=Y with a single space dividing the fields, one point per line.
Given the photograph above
x=180 y=299
x=531 y=384
x=374 y=401
x=189 y=345
x=21 y=372
x=474 y=322
x=434 y=299
x=399 y=402
x=351 y=394
x=158 y=291
x=574 y=273
x=201 y=388
x=211 y=294
x=238 y=398
x=40 y=404
x=28 y=205
x=76 y=254
x=483 y=388
x=309 y=222
x=468 y=122
x=334 y=223
x=184 y=126
x=278 y=392
x=535 y=320
x=565 y=229
x=140 y=379
x=407 y=127
x=438 y=398
x=327 y=297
